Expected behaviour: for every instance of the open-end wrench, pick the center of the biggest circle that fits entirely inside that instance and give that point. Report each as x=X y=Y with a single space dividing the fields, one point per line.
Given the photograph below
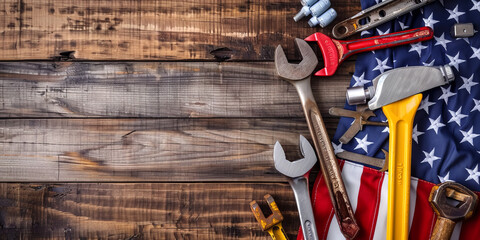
x=299 y=76
x=298 y=172
x=452 y=202
x=335 y=52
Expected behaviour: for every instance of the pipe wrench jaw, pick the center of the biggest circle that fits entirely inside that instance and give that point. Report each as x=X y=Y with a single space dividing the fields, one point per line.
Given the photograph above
x=331 y=53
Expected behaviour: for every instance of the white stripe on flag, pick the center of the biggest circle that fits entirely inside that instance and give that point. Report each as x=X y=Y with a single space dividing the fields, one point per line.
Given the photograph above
x=413 y=201
x=381 y=224
x=351 y=174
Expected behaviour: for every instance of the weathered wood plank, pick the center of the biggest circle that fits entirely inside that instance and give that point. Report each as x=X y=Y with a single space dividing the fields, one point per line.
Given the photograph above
x=146 y=89
x=139 y=211
x=132 y=150
x=153 y=29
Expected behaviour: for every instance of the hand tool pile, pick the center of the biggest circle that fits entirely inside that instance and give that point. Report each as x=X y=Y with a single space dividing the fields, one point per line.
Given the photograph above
x=398 y=93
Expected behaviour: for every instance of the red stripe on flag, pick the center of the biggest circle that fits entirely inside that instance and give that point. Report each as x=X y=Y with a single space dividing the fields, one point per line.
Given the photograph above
x=471 y=227
x=424 y=217
x=322 y=206
x=368 y=202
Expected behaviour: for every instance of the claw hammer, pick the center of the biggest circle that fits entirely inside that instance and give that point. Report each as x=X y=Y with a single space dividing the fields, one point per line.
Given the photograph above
x=398 y=93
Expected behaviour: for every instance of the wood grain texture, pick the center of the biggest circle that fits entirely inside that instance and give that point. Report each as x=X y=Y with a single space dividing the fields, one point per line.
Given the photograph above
x=139 y=211
x=160 y=90
x=133 y=150
x=153 y=29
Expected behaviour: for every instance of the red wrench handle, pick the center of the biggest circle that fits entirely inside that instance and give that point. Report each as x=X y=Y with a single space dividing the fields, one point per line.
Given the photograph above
x=386 y=41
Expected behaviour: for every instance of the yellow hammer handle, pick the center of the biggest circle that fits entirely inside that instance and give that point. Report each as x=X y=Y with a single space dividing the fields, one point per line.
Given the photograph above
x=400 y=116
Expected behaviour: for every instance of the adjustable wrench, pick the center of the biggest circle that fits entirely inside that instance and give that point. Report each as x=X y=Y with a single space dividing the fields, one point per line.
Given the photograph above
x=299 y=76
x=376 y=15
x=298 y=172
x=335 y=52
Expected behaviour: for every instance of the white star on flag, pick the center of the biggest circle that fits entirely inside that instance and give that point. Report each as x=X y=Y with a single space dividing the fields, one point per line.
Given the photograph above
x=477 y=105
x=430 y=64
x=365 y=32
x=360 y=81
x=337 y=148
x=425 y=104
x=473 y=174
x=476 y=6
x=381 y=65
x=435 y=124
x=446 y=94
x=430 y=157
x=382 y=33
x=442 y=41
x=416 y=133
x=468 y=136
x=430 y=21
x=386 y=130
x=403 y=26
x=454 y=14
x=445 y=179
x=455 y=61
x=456 y=116
x=476 y=53
x=418 y=47
x=363 y=143
x=468 y=83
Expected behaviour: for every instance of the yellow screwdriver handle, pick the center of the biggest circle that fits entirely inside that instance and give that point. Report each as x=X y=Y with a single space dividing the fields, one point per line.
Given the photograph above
x=277 y=232
x=400 y=117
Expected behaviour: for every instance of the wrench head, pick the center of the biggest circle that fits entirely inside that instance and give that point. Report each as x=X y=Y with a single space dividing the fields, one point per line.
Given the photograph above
x=300 y=71
x=331 y=55
x=453 y=201
x=295 y=168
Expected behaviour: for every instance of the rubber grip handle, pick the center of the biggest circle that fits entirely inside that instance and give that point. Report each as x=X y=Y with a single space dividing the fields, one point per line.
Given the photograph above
x=389 y=40
x=400 y=117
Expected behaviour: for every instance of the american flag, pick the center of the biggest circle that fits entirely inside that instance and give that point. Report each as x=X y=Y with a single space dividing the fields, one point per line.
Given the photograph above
x=446 y=142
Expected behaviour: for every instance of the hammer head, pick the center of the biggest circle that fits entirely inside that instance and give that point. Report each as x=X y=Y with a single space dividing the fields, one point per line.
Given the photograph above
x=400 y=83
x=296 y=168
x=299 y=71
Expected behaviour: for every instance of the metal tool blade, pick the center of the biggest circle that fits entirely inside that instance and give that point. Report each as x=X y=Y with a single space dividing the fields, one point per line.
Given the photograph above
x=403 y=82
x=296 y=168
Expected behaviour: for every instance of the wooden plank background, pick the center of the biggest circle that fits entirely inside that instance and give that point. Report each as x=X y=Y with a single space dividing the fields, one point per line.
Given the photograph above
x=153 y=29
x=159 y=125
